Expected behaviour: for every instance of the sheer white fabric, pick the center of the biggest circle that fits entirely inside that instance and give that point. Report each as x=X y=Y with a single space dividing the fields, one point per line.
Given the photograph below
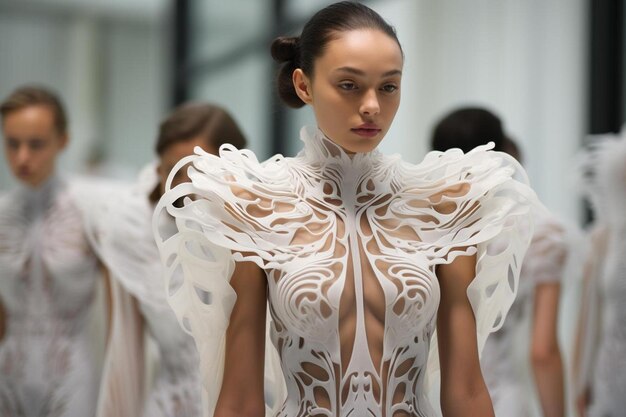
x=325 y=225
x=607 y=367
x=122 y=233
x=48 y=276
x=505 y=357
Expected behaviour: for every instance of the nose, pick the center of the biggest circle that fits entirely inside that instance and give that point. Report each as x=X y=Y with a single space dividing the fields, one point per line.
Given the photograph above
x=370 y=105
x=23 y=155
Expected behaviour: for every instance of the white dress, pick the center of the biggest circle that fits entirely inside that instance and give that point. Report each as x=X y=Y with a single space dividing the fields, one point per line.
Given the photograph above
x=122 y=233
x=327 y=227
x=48 y=276
x=608 y=367
x=505 y=357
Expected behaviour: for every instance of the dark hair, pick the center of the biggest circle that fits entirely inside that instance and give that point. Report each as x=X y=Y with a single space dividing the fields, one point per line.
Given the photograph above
x=199 y=119
x=32 y=95
x=467 y=128
x=301 y=51
x=512 y=148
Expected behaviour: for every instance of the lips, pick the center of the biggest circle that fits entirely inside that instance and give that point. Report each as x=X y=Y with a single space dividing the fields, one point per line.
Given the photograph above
x=367 y=130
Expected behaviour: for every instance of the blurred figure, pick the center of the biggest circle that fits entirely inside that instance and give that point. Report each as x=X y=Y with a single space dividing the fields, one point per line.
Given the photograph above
x=466 y=128
x=600 y=352
x=538 y=294
x=122 y=231
x=48 y=271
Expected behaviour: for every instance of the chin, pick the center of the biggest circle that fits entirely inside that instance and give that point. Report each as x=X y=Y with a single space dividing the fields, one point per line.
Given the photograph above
x=357 y=144
x=363 y=145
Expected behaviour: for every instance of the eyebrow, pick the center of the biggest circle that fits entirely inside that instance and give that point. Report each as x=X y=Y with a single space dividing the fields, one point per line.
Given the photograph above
x=356 y=71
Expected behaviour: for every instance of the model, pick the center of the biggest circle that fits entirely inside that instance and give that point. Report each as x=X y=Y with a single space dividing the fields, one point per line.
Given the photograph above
x=367 y=262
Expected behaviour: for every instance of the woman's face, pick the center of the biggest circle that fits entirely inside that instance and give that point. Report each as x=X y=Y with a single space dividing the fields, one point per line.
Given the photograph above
x=355 y=88
x=174 y=153
x=32 y=143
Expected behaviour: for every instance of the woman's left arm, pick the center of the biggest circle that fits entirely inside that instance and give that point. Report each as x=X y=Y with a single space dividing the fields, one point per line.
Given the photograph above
x=463 y=390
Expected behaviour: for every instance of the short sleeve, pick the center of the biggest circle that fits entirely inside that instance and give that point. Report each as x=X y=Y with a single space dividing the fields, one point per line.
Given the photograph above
x=216 y=218
x=480 y=204
x=547 y=254
x=120 y=230
x=477 y=203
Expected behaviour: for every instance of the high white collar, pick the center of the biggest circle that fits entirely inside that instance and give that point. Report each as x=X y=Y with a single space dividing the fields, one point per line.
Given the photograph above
x=321 y=152
x=36 y=200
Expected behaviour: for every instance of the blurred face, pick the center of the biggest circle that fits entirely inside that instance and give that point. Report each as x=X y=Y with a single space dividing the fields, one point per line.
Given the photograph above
x=32 y=143
x=355 y=88
x=175 y=153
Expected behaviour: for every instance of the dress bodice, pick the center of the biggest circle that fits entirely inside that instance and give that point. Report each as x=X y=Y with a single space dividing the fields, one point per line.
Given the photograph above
x=613 y=292
x=350 y=246
x=356 y=247
x=48 y=267
x=48 y=280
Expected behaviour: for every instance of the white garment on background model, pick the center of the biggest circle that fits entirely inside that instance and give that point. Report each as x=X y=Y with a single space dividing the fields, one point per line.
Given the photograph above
x=121 y=229
x=48 y=277
x=505 y=359
x=325 y=226
x=607 y=368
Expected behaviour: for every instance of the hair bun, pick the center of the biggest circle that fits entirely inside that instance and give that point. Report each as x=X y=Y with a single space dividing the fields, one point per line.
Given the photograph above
x=286 y=49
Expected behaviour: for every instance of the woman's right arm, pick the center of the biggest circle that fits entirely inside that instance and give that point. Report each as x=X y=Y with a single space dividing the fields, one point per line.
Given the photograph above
x=545 y=354
x=242 y=393
x=3 y=321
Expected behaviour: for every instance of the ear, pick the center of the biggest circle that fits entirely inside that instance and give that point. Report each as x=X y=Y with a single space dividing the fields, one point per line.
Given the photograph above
x=63 y=140
x=302 y=84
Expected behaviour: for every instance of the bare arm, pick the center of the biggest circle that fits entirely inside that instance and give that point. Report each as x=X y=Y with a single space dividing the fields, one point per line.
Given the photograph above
x=3 y=321
x=241 y=394
x=581 y=389
x=588 y=327
x=545 y=353
x=108 y=300
x=463 y=390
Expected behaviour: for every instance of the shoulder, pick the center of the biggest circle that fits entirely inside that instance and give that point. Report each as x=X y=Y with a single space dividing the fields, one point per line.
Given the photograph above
x=234 y=178
x=549 y=226
x=552 y=253
x=8 y=200
x=478 y=188
x=11 y=211
x=239 y=164
x=237 y=202
x=88 y=193
x=454 y=170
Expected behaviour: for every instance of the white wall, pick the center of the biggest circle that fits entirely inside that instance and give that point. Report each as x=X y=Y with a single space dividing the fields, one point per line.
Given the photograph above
x=110 y=70
x=26 y=42
x=244 y=88
x=526 y=60
x=136 y=75
x=244 y=91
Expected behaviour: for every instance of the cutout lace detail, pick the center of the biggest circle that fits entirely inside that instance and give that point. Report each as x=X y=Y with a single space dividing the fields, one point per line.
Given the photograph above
x=350 y=245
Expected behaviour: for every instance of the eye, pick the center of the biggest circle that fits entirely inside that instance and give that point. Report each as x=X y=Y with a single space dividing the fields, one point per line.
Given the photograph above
x=389 y=88
x=347 y=85
x=12 y=144
x=36 y=144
